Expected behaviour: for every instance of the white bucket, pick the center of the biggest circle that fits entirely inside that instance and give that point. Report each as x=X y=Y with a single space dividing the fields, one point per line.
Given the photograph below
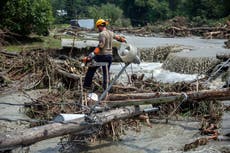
x=68 y=117
x=92 y=96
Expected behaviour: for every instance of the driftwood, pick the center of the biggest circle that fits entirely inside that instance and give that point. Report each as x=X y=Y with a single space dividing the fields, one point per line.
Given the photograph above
x=123 y=88
x=33 y=135
x=118 y=100
x=9 y=54
x=207 y=32
x=68 y=75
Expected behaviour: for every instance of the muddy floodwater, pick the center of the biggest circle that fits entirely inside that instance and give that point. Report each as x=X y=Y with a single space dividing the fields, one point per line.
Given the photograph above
x=162 y=137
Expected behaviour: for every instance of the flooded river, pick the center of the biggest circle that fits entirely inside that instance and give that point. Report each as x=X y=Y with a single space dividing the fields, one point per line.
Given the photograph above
x=162 y=137
x=152 y=70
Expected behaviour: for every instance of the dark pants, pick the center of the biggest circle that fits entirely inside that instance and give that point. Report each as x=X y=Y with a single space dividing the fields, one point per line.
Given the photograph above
x=91 y=70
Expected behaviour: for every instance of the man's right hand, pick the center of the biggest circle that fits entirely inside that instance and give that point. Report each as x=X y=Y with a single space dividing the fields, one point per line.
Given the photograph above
x=91 y=56
x=85 y=60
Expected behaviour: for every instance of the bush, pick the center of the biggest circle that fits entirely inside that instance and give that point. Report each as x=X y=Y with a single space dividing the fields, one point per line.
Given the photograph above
x=109 y=12
x=26 y=16
x=199 y=21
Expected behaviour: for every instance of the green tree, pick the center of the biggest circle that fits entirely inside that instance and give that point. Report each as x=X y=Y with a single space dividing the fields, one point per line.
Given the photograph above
x=26 y=16
x=106 y=11
x=211 y=9
x=57 y=5
x=15 y=16
x=142 y=12
x=70 y=6
x=42 y=16
x=158 y=10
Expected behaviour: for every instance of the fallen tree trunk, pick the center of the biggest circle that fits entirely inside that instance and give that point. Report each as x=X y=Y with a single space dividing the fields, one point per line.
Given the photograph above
x=131 y=102
x=33 y=135
x=118 y=100
x=133 y=96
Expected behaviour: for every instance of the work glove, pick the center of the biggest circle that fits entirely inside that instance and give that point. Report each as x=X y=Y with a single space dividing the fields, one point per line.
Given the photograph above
x=121 y=38
x=91 y=55
x=85 y=60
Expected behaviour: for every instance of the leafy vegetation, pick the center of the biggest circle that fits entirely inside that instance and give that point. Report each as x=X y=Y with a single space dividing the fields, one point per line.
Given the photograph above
x=36 y=16
x=43 y=42
x=141 y=12
x=25 y=16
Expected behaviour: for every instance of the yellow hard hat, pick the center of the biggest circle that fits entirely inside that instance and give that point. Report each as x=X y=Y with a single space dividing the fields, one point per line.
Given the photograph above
x=101 y=22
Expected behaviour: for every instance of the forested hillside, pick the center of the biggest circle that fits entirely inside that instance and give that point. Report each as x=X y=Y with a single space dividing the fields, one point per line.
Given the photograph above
x=141 y=12
x=27 y=16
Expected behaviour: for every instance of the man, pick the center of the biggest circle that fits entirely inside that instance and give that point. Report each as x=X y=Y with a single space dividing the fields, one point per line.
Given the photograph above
x=102 y=53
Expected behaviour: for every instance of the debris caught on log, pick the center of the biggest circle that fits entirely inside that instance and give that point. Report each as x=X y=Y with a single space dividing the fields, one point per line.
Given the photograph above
x=158 y=54
x=42 y=69
x=207 y=32
x=32 y=135
x=195 y=144
x=209 y=126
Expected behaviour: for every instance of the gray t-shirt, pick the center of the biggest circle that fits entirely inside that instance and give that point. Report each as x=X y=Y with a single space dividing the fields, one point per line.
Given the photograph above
x=105 y=42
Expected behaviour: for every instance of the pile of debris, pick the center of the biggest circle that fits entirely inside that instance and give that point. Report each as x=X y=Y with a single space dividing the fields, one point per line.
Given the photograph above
x=189 y=65
x=179 y=27
x=210 y=124
x=38 y=68
x=158 y=54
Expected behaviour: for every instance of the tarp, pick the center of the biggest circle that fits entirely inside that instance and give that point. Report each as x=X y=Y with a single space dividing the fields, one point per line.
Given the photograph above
x=83 y=23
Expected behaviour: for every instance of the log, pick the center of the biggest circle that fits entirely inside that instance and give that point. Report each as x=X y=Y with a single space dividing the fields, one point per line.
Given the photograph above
x=9 y=54
x=33 y=135
x=68 y=75
x=119 y=87
x=208 y=29
x=29 y=136
x=218 y=94
x=118 y=100
x=131 y=102
x=130 y=96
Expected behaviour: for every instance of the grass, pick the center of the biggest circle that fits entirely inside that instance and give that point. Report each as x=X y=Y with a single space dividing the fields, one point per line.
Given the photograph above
x=34 y=42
